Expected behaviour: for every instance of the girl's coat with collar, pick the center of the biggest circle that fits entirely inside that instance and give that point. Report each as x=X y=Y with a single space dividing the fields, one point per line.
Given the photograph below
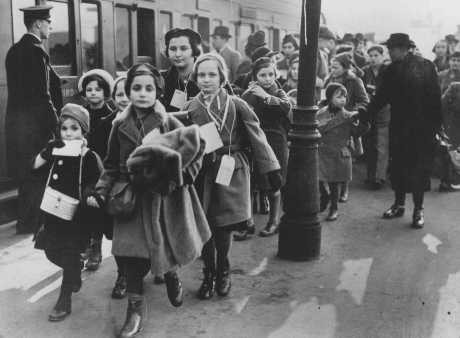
x=335 y=163
x=229 y=205
x=169 y=230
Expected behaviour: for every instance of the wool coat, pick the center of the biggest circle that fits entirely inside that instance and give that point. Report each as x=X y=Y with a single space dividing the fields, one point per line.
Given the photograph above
x=451 y=113
x=335 y=162
x=169 y=230
x=100 y=126
x=64 y=172
x=232 y=59
x=172 y=82
x=412 y=89
x=241 y=132
x=446 y=77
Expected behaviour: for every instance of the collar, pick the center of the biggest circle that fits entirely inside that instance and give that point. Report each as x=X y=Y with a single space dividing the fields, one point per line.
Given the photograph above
x=223 y=48
x=35 y=36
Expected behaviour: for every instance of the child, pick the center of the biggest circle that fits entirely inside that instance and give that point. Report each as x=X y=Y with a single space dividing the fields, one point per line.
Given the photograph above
x=146 y=240
x=96 y=87
x=119 y=94
x=336 y=126
x=64 y=240
x=272 y=107
x=227 y=206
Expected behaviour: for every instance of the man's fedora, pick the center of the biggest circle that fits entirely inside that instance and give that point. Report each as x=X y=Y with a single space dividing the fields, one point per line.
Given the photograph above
x=398 y=40
x=222 y=31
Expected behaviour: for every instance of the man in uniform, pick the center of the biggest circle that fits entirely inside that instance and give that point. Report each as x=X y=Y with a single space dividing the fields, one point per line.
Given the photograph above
x=232 y=58
x=410 y=85
x=33 y=97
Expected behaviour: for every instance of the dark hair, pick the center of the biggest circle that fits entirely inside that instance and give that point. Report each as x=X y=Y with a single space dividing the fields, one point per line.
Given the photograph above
x=289 y=38
x=100 y=81
x=193 y=38
x=29 y=21
x=145 y=69
x=115 y=84
x=260 y=63
x=332 y=88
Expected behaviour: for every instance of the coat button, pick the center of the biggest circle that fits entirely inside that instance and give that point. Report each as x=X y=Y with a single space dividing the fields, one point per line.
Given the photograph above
x=55 y=176
x=60 y=162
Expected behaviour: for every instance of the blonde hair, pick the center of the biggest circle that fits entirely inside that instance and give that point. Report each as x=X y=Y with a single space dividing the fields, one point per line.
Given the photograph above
x=221 y=66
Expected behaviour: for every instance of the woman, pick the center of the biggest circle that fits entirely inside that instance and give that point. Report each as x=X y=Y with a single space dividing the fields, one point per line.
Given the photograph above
x=143 y=237
x=226 y=198
x=441 y=50
x=341 y=72
x=182 y=48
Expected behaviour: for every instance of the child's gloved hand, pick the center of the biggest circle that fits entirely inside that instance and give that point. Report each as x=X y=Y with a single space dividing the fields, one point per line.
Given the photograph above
x=47 y=152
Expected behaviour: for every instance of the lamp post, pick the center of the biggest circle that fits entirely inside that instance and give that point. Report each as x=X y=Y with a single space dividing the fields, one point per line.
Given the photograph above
x=300 y=230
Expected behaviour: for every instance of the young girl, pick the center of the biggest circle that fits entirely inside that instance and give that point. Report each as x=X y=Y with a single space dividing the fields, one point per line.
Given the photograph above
x=336 y=126
x=227 y=206
x=119 y=94
x=272 y=107
x=64 y=240
x=144 y=240
x=96 y=87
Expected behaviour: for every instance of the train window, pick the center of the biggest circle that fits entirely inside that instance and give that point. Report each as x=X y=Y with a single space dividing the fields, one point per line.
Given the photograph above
x=246 y=29
x=203 y=29
x=90 y=31
x=165 y=26
x=59 y=43
x=186 y=21
x=123 y=52
x=146 y=32
x=18 y=17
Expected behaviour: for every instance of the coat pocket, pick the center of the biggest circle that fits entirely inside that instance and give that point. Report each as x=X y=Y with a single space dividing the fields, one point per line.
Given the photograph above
x=121 y=200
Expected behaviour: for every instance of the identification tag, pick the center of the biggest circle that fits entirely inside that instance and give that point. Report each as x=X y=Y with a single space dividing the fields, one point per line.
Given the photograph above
x=72 y=148
x=179 y=98
x=210 y=135
x=226 y=169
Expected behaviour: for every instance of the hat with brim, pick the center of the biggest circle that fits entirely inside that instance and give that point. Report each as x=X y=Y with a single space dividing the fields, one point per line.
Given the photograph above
x=222 y=31
x=100 y=72
x=451 y=38
x=257 y=39
x=398 y=40
x=40 y=12
x=326 y=33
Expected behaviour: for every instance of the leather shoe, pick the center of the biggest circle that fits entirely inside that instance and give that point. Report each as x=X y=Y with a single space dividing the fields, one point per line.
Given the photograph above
x=245 y=234
x=158 y=280
x=332 y=216
x=270 y=230
x=63 y=306
x=418 y=220
x=119 y=290
x=207 y=288
x=223 y=283
x=133 y=322
x=174 y=288
x=394 y=211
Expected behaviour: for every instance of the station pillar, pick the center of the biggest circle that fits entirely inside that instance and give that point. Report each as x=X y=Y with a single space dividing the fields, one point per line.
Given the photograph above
x=300 y=229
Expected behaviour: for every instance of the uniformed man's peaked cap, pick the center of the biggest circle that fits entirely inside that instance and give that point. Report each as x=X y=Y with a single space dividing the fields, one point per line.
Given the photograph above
x=40 y=12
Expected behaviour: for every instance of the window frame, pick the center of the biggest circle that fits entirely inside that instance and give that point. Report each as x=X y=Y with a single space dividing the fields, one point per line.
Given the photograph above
x=99 y=33
x=132 y=12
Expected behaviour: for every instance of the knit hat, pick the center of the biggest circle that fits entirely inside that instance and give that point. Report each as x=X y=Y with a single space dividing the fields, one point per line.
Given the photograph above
x=345 y=59
x=257 y=39
x=332 y=88
x=78 y=113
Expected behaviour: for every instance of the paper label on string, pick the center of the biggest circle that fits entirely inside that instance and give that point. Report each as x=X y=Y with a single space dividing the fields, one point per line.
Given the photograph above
x=72 y=148
x=323 y=94
x=179 y=98
x=226 y=169
x=211 y=136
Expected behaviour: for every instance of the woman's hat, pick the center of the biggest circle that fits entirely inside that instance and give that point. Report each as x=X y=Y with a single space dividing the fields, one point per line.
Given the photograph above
x=261 y=52
x=78 y=113
x=451 y=38
x=222 y=31
x=100 y=72
x=398 y=40
x=345 y=59
x=257 y=39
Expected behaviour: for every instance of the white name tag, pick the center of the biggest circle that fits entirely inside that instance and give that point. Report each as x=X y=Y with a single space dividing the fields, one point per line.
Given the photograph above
x=179 y=98
x=211 y=136
x=72 y=148
x=226 y=169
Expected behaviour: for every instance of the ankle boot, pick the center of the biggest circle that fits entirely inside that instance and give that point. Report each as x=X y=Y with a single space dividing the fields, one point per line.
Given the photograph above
x=133 y=322
x=174 y=288
x=223 y=282
x=206 y=290
x=119 y=290
x=63 y=306
x=95 y=256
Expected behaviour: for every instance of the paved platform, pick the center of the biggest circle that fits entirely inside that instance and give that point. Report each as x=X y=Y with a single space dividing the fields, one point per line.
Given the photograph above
x=374 y=278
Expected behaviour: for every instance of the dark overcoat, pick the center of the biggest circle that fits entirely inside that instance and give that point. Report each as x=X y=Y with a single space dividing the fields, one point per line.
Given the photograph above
x=446 y=77
x=412 y=89
x=172 y=82
x=451 y=113
x=230 y=205
x=34 y=96
x=169 y=230
x=100 y=127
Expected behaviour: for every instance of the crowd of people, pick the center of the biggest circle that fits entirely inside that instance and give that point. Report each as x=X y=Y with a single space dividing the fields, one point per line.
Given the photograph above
x=168 y=162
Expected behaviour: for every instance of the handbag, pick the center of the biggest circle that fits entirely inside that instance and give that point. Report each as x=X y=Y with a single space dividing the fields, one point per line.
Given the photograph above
x=58 y=204
x=121 y=200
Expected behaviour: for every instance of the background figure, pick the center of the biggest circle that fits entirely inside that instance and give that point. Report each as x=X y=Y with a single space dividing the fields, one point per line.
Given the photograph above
x=34 y=96
x=452 y=43
x=441 y=50
x=289 y=47
x=232 y=58
x=452 y=74
x=255 y=40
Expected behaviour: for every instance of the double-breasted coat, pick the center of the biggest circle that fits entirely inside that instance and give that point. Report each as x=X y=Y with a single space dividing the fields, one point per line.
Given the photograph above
x=336 y=128
x=412 y=89
x=230 y=205
x=169 y=230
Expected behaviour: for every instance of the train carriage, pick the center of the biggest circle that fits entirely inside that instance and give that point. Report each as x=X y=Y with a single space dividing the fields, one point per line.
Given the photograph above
x=114 y=34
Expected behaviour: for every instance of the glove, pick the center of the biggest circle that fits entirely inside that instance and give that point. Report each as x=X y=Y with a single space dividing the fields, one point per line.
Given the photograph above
x=46 y=153
x=275 y=180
